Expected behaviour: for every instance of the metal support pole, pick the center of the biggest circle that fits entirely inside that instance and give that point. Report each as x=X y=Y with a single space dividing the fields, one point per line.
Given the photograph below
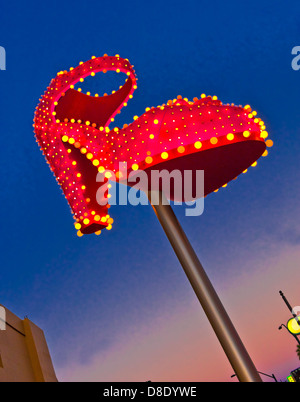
x=207 y=296
x=289 y=307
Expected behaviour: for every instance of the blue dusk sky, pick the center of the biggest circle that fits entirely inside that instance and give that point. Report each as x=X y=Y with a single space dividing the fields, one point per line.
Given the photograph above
x=118 y=307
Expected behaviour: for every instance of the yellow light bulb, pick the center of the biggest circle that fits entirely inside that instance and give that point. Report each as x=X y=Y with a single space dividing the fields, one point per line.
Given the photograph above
x=149 y=159
x=264 y=134
x=293 y=326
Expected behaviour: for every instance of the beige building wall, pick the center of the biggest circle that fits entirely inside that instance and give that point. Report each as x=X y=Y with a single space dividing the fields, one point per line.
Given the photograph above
x=24 y=354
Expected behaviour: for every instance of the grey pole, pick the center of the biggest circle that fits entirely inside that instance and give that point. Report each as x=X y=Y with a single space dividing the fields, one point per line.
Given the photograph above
x=289 y=307
x=207 y=296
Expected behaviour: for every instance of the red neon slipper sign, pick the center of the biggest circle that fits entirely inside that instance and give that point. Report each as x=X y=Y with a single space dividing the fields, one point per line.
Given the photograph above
x=72 y=129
